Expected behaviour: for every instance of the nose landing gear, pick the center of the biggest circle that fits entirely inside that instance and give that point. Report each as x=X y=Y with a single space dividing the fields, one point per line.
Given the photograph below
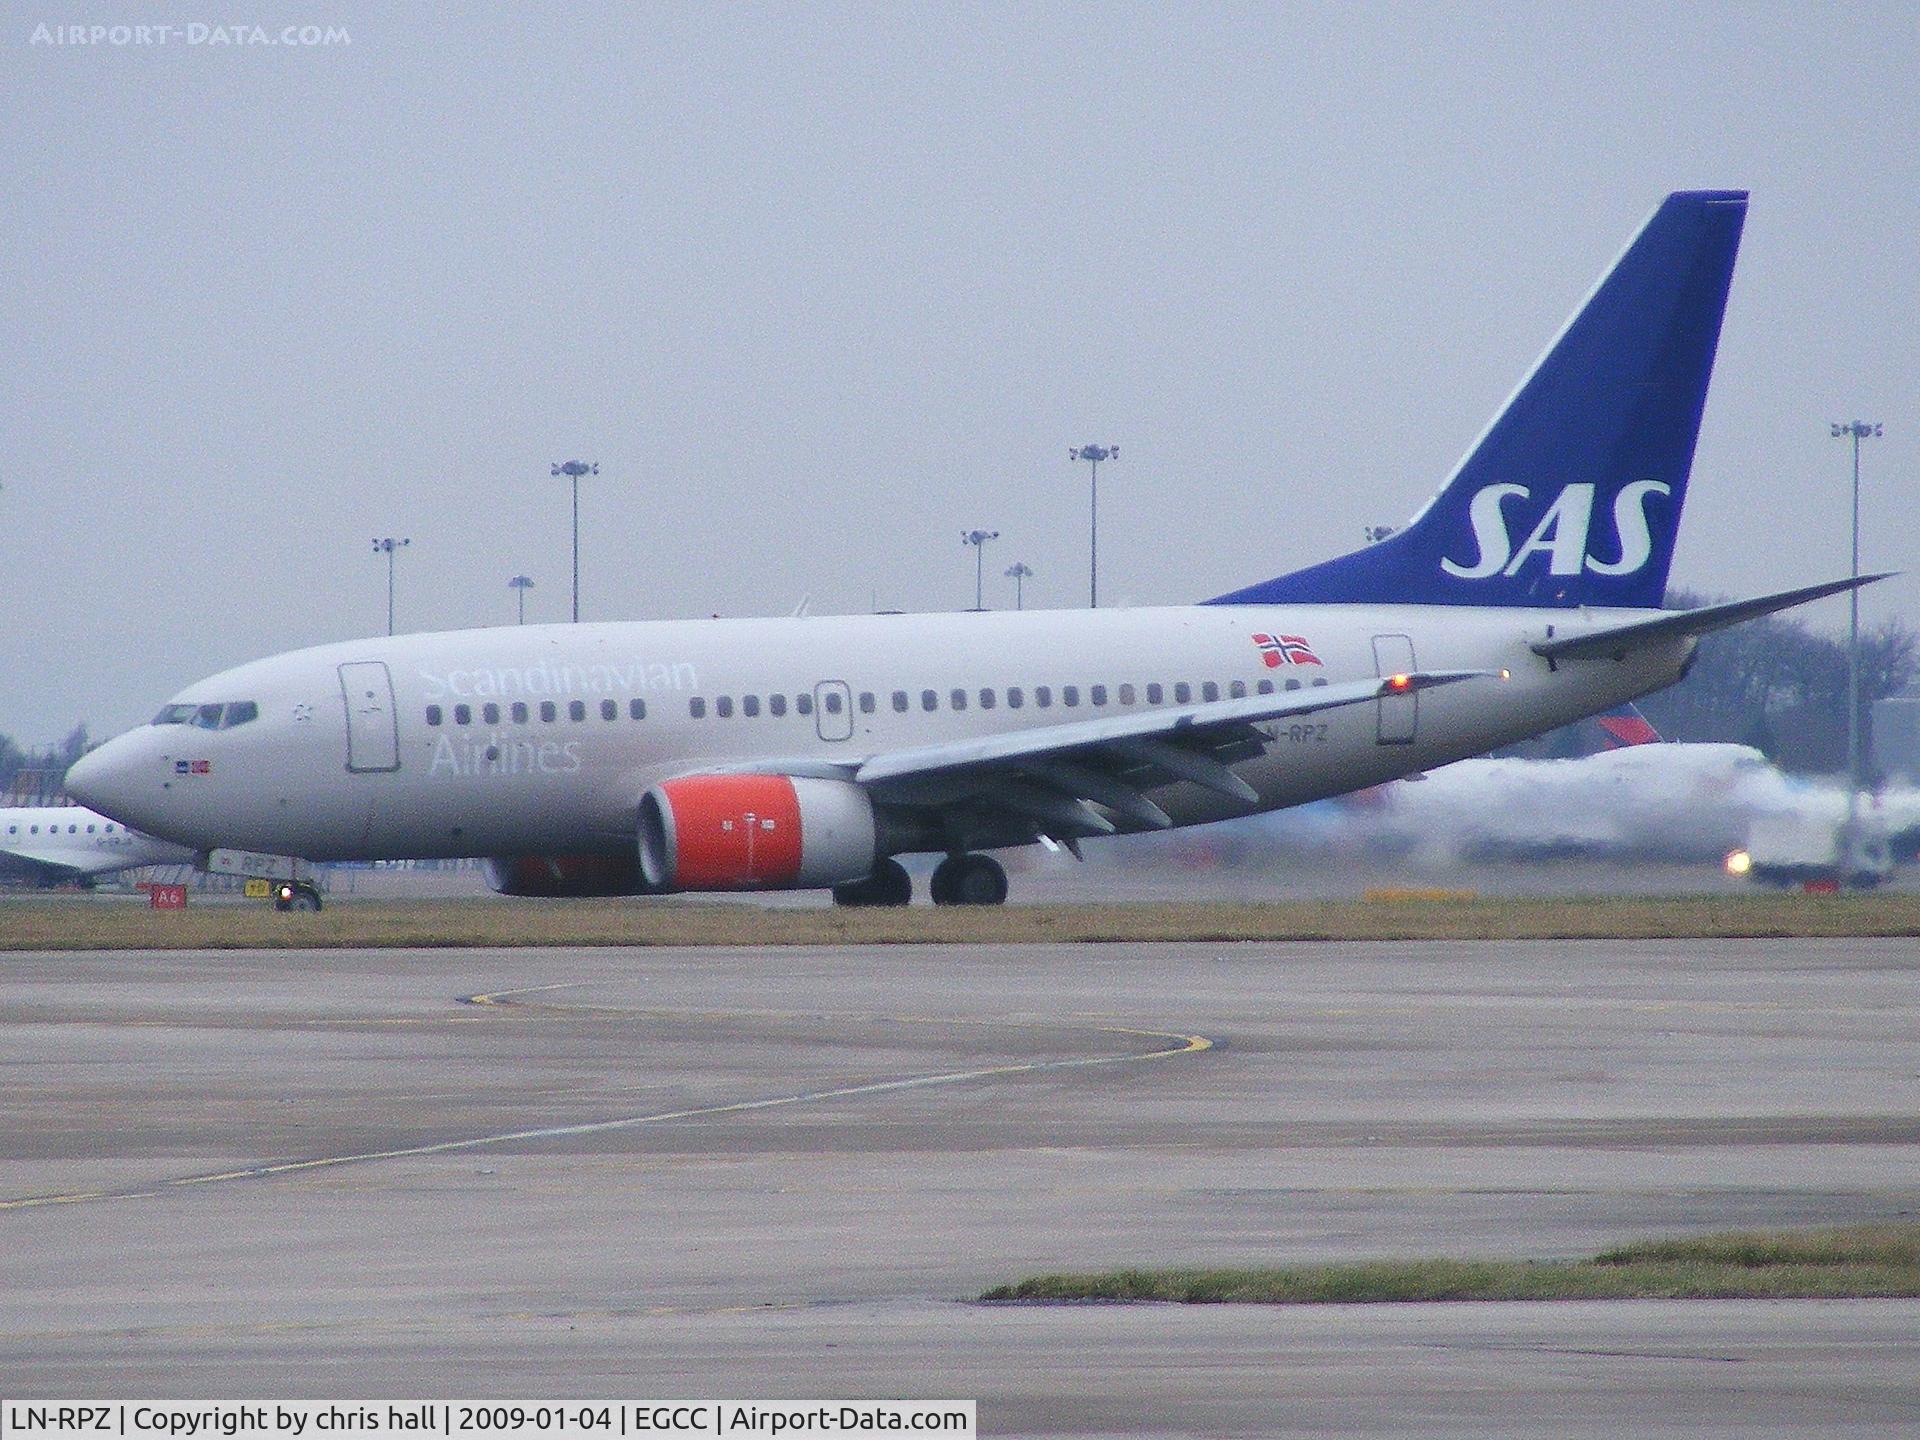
x=292 y=895
x=969 y=880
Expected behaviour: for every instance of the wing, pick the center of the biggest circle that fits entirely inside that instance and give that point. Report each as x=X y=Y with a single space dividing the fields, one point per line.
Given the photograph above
x=1090 y=777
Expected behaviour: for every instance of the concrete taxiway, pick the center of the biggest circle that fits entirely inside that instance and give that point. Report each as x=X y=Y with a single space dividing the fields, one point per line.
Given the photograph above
x=654 y=1172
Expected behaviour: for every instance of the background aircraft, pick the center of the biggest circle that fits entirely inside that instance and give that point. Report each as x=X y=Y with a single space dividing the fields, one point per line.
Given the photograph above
x=57 y=844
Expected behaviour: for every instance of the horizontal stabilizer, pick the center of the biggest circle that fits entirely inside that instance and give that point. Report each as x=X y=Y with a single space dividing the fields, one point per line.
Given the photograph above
x=1617 y=640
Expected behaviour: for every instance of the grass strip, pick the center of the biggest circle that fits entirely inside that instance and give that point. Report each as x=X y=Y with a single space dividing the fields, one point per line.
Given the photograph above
x=1856 y=1262
x=74 y=922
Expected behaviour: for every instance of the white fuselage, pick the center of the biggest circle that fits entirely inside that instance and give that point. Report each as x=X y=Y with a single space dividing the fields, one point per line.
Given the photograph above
x=71 y=840
x=387 y=747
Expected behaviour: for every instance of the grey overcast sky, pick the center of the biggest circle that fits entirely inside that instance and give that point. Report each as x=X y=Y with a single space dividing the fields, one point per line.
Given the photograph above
x=820 y=286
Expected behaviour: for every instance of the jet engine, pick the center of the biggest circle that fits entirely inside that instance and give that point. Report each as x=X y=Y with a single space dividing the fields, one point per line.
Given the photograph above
x=571 y=877
x=755 y=832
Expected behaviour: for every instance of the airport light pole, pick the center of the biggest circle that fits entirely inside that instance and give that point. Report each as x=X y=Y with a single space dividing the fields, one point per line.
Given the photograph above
x=1093 y=455
x=978 y=539
x=1856 y=430
x=573 y=470
x=1019 y=572
x=387 y=545
x=520 y=584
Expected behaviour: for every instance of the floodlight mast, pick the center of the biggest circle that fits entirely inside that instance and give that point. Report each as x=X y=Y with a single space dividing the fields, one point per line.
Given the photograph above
x=1856 y=430
x=520 y=584
x=978 y=539
x=1019 y=572
x=1093 y=455
x=387 y=545
x=573 y=470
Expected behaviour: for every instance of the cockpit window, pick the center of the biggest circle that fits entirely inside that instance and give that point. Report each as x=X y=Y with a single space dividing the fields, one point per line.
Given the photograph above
x=209 y=717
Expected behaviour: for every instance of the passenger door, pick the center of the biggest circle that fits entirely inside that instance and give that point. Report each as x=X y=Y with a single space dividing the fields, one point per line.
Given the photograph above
x=373 y=730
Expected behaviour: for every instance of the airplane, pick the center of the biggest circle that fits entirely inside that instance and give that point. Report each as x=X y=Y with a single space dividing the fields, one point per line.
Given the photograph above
x=56 y=844
x=810 y=752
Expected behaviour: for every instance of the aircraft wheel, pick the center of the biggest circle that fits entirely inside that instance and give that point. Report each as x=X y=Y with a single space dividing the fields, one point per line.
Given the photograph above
x=889 y=884
x=296 y=897
x=969 y=880
x=895 y=885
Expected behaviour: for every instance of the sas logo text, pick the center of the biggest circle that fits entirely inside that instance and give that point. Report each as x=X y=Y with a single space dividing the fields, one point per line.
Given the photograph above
x=1278 y=650
x=1560 y=534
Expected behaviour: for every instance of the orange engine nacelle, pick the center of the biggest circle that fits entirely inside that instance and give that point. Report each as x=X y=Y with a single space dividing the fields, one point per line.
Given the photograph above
x=755 y=832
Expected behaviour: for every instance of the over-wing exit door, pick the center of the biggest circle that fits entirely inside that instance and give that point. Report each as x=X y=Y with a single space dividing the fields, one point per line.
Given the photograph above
x=1399 y=715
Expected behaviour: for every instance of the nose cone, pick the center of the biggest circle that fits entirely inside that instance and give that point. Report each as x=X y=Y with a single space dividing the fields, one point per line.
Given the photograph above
x=104 y=780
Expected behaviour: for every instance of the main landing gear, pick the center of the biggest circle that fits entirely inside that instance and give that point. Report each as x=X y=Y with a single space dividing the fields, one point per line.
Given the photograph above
x=969 y=880
x=889 y=884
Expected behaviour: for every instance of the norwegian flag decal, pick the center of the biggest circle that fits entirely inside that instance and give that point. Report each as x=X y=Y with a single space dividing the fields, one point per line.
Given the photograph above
x=1278 y=650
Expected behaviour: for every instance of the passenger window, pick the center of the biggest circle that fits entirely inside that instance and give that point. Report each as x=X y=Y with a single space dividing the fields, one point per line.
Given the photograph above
x=110 y=829
x=636 y=709
x=1210 y=691
x=1182 y=692
x=866 y=702
x=1292 y=684
x=1098 y=694
x=1266 y=687
x=1126 y=694
x=239 y=713
x=1016 y=697
x=463 y=715
x=777 y=704
x=1237 y=690
x=490 y=712
x=986 y=699
x=1155 y=693
x=90 y=829
x=959 y=698
x=1069 y=695
x=519 y=712
x=433 y=714
x=929 y=700
x=549 y=712
x=1043 y=696
x=900 y=702
x=697 y=708
x=609 y=710
x=723 y=707
x=1320 y=682
x=803 y=704
x=750 y=705
x=576 y=709
x=832 y=701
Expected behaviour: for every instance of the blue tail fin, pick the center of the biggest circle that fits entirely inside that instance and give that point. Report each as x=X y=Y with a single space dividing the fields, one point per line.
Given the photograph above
x=1572 y=495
